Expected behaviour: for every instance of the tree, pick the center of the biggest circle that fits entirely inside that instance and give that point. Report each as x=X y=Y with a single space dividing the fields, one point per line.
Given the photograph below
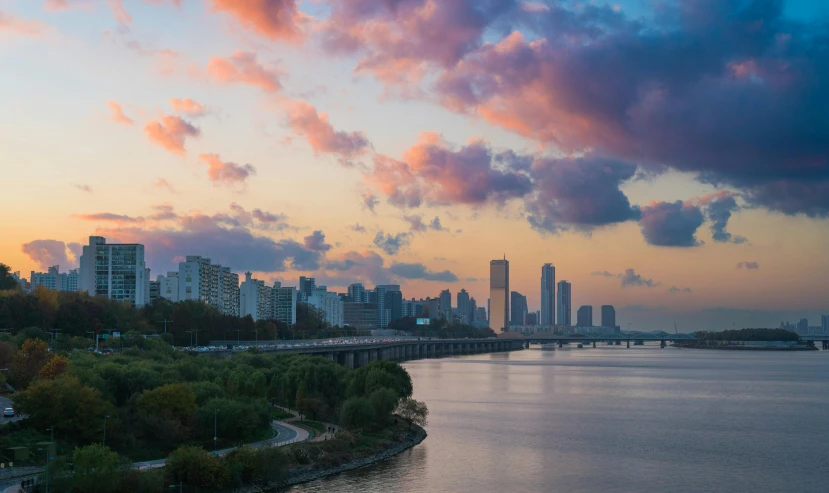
x=413 y=411
x=28 y=362
x=174 y=400
x=6 y=279
x=97 y=468
x=384 y=401
x=357 y=412
x=194 y=467
x=56 y=366
x=74 y=410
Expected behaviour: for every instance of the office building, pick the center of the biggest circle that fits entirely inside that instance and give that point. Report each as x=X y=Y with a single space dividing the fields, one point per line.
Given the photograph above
x=463 y=306
x=283 y=303
x=201 y=280
x=824 y=324
x=116 y=271
x=330 y=305
x=480 y=315
x=518 y=308
x=307 y=286
x=412 y=308
x=168 y=286
x=548 y=295
x=563 y=304
x=360 y=316
x=358 y=293
x=608 y=316
x=532 y=319
x=392 y=301
x=470 y=311
x=499 y=295
x=255 y=299
x=584 y=317
x=155 y=288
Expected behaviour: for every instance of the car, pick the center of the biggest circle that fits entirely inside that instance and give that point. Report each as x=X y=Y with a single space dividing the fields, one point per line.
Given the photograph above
x=8 y=412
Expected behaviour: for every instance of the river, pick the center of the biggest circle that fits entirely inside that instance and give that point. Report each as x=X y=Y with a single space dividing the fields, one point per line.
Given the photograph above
x=613 y=419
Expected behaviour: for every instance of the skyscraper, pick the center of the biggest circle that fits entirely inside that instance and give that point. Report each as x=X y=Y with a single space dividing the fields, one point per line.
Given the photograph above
x=446 y=304
x=824 y=323
x=584 y=317
x=608 y=316
x=358 y=293
x=518 y=308
x=470 y=312
x=116 y=271
x=563 y=308
x=307 y=286
x=548 y=295
x=463 y=306
x=499 y=295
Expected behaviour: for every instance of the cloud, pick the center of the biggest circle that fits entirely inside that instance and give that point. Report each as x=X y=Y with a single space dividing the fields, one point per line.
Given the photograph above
x=23 y=27
x=419 y=271
x=438 y=174
x=725 y=90
x=237 y=217
x=118 y=115
x=47 y=253
x=274 y=19
x=162 y=183
x=82 y=188
x=357 y=228
x=226 y=173
x=603 y=273
x=672 y=224
x=675 y=290
x=369 y=201
x=748 y=265
x=242 y=68
x=391 y=244
x=720 y=206
x=188 y=106
x=631 y=278
x=582 y=193
x=435 y=225
x=108 y=216
x=170 y=132
x=316 y=242
x=415 y=223
x=320 y=134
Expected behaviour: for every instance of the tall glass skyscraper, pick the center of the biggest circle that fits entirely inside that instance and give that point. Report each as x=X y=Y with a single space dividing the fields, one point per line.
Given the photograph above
x=548 y=295
x=499 y=294
x=564 y=299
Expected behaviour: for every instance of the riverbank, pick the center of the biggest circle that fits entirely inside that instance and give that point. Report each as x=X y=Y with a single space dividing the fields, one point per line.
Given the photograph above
x=752 y=348
x=307 y=474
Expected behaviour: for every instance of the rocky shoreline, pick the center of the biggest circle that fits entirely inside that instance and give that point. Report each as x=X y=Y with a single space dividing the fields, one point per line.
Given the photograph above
x=304 y=475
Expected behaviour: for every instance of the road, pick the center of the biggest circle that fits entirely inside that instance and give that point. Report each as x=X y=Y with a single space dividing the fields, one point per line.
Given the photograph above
x=4 y=403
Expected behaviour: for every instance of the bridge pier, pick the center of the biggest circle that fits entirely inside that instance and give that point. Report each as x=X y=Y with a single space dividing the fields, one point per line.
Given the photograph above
x=594 y=344
x=628 y=344
x=662 y=344
x=560 y=344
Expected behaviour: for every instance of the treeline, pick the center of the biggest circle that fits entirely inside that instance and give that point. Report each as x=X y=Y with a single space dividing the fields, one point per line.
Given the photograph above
x=748 y=335
x=440 y=328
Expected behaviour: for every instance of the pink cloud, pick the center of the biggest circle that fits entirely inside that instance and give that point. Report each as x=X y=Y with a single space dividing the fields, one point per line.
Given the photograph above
x=24 y=27
x=242 y=68
x=226 y=173
x=118 y=115
x=121 y=15
x=320 y=134
x=274 y=19
x=188 y=106
x=47 y=253
x=170 y=131
x=163 y=184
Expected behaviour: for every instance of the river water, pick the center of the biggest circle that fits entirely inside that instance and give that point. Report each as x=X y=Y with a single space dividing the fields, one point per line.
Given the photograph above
x=613 y=419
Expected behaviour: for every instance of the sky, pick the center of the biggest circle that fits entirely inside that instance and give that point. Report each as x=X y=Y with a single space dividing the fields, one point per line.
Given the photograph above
x=670 y=158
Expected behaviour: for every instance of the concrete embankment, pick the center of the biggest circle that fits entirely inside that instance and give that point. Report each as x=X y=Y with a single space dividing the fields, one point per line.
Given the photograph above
x=304 y=475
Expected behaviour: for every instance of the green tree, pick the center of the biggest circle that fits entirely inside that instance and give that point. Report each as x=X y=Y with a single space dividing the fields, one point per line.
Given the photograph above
x=96 y=469
x=261 y=467
x=194 y=467
x=174 y=400
x=413 y=411
x=357 y=412
x=6 y=279
x=384 y=401
x=74 y=410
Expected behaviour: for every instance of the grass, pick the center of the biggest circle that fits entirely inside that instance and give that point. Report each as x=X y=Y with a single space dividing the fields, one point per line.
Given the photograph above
x=314 y=425
x=277 y=414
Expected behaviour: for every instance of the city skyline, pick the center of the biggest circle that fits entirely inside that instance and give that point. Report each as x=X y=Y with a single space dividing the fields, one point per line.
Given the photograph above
x=253 y=140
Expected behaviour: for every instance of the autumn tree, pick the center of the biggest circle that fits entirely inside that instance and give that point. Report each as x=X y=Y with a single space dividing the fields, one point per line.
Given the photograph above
x=413 y=411
x=56 y=366
x=28 y=362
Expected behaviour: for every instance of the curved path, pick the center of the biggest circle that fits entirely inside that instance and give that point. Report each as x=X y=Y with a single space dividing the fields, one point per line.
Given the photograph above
x=286 y=433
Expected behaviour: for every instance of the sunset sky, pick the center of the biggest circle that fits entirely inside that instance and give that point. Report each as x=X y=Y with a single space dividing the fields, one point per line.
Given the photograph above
x=668 y=157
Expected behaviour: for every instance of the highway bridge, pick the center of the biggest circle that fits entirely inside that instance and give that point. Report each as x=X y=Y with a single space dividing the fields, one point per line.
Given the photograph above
x=360 y=353
x=617 y=339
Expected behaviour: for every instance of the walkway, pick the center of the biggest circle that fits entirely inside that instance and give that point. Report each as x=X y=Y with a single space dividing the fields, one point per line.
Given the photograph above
x=286 y=434
x=318 y=437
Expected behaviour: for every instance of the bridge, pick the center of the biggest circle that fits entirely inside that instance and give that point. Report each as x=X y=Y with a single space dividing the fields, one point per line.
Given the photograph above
x=360 y=353
x=617 y=339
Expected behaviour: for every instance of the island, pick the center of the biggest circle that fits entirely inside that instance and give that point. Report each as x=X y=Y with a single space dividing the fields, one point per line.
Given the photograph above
x=748 y=339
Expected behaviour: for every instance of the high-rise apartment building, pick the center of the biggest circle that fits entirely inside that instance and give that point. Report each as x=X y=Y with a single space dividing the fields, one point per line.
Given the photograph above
x=201 y=280
x=518 y=308
x=824 y=323
x=480 y=315
x=470 y=312
x=360 y=316
x=255 y=299
x=608 y=316
x=548 y=295
x=55 y=280
x=168 y=286
x=358 y=293
x=584 y=317
x=446 y=304
x=330 y=305
x=283 y=303
x=499 y=295
x=463 y=306
x=116 y=271
x=155 y=288
x=563 y=301
x=412 y=308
